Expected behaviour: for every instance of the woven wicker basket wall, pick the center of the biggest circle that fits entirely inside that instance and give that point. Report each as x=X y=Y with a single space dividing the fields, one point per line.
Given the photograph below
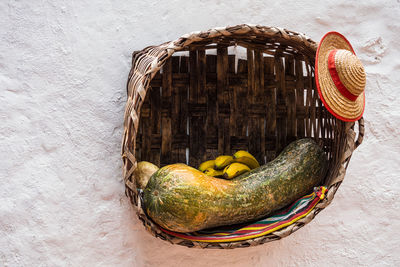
x=226 y=89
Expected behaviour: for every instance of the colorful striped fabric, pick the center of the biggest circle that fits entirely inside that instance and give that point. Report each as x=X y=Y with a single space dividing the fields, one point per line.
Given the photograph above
x=296 y=211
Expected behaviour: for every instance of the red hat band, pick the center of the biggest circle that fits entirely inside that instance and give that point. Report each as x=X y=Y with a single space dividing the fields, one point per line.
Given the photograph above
x=336 y=79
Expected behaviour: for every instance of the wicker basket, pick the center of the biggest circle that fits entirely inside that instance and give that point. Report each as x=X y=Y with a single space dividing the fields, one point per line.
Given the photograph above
x=226 y=89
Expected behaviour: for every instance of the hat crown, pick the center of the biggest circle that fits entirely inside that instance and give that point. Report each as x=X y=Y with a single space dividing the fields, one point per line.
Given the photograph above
x=351 y=71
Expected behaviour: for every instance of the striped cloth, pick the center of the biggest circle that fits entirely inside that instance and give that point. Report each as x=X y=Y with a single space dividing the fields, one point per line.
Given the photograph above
x=296 y=211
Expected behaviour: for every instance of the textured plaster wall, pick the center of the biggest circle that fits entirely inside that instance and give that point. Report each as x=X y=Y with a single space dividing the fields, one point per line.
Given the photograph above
x=63 y=68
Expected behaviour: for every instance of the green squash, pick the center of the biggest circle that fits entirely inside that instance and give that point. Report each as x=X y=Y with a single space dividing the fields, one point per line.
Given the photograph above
x=183 y=199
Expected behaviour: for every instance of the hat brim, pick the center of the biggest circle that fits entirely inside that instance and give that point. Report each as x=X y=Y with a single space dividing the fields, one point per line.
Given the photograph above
x=337 y=104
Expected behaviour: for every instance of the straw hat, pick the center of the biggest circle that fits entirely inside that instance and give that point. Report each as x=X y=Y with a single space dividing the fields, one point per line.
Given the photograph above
x=340 y=77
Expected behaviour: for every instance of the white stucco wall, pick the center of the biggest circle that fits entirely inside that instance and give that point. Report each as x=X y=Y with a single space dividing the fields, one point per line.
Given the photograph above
x=63 y=69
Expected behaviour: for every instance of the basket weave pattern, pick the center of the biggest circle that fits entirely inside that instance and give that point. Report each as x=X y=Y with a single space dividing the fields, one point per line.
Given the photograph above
x=209 y=101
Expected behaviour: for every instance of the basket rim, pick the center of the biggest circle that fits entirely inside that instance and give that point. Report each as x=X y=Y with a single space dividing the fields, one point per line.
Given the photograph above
x=147 y=62
x=160 y=53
